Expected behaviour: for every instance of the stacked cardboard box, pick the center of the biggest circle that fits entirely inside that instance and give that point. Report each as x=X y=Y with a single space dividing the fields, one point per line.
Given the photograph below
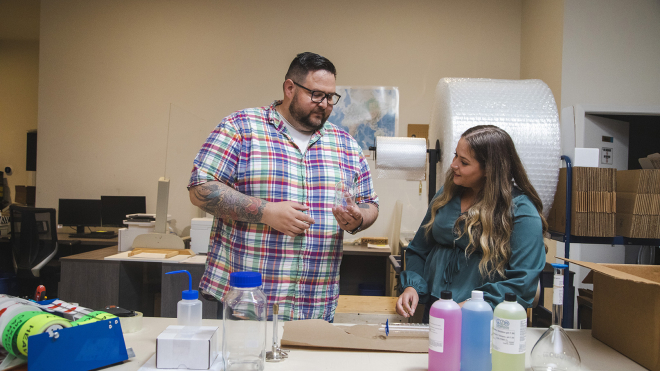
x=594 y=206
x=638 y=203
x=626 y=303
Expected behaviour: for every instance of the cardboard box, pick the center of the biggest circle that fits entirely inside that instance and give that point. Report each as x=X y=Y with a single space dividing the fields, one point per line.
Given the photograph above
x=638 y=203
x=626 y=309
x=418 y=131
x=317 y=333
x=594 y=204
x=25 y=195
x=638 y=226
x=191 y=347
x=639 y=181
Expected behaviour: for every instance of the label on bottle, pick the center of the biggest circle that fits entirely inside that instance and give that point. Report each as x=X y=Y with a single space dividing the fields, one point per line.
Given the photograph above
x=558 y=295
x=509 y=335
x=436 y=334
x=558 y=281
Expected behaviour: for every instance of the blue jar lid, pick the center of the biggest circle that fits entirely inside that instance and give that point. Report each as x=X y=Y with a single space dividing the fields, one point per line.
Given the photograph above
x=559 y=266
x=245 y=279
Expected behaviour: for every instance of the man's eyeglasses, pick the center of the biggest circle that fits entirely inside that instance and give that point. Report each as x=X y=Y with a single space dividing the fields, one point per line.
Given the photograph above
x=319 y=96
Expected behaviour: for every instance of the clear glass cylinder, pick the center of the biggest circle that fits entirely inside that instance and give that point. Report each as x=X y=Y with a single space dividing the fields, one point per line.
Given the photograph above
x=554 y=351
x=244 y=325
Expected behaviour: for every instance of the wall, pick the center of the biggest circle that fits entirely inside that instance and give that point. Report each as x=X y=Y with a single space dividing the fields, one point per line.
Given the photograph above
x=611 y=52
x=114 y=74
x=541 y=55
x=541 y=43
x=610 y=57
x=19 y=66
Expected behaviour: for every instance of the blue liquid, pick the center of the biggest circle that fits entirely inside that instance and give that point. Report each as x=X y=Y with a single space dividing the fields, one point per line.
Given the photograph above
x=475 y=336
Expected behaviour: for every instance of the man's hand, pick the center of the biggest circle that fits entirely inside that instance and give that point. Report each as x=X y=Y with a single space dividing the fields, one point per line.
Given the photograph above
x=407 y=302
x=287 y=217
x=348 y=218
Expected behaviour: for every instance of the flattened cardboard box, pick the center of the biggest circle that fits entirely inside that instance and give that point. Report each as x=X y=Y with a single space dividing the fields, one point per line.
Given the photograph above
x=638 y=226
x=638 y=203
x=594 y=205
x=626 y=309
x=638 y=181
x=319 y=333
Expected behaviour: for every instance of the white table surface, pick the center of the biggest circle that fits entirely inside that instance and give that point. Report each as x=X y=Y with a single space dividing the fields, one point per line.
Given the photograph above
x=595 y=355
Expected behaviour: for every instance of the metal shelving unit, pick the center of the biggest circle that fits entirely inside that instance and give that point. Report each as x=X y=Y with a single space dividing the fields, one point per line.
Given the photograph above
x=567 y=238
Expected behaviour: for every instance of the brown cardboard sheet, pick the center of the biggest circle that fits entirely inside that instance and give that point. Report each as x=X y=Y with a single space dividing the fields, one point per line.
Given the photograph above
x=321 y=334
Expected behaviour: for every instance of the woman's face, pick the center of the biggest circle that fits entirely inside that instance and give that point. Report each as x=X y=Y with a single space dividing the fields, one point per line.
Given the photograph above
x=467 y=170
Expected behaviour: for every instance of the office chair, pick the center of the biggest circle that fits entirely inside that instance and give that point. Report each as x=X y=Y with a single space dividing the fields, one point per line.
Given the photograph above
x=33 y=238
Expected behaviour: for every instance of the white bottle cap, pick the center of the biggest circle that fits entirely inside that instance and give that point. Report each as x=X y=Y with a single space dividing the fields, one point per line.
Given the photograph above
x=477 y=295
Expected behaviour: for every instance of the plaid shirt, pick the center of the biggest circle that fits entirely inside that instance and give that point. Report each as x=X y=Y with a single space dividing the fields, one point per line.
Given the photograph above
x=252 y=152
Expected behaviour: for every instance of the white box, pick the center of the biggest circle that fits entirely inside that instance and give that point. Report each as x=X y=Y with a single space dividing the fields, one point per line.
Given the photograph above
x=200 y=234
x=586 y=157
x=188 y=347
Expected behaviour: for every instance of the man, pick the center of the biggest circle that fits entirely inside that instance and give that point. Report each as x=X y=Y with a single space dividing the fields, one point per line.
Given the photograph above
x=268 y=176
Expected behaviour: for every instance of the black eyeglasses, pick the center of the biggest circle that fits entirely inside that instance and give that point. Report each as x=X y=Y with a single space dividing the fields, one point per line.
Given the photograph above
x=319 y=96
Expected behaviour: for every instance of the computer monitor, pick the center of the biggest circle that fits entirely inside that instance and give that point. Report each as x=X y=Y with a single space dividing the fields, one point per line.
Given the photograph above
x=79 y=213
x=115 y=208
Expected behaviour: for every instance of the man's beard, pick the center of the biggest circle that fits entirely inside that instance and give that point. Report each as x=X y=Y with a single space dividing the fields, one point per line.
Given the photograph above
x=305 y=118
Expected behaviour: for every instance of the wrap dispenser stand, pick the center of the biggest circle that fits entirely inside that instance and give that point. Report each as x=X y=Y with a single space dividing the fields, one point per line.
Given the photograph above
x=434 y=159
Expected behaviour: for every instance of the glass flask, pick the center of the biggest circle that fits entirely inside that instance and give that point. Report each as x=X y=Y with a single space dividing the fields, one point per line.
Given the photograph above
x=554 y=351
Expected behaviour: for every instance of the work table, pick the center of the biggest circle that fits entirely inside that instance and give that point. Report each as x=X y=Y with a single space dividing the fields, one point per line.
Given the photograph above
x=595 y=355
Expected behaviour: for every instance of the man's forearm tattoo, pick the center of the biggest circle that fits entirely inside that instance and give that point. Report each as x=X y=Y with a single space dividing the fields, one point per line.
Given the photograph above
x=224 y=202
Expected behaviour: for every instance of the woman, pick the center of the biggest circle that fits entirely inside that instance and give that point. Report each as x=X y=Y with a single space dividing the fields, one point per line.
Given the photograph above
x=483 y=230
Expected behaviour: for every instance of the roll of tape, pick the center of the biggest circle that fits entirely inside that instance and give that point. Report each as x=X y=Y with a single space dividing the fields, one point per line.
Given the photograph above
x=131 y=324
x=4 y=298
x=10 y=335
x=11 y=299
x=94 y=317
x=11 y=310
x=38 y=325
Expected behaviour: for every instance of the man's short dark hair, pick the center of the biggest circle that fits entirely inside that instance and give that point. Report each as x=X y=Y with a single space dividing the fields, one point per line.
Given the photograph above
x=307 y=62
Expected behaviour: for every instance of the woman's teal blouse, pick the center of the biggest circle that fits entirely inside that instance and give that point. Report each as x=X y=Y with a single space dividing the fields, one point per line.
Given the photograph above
x=438 y=261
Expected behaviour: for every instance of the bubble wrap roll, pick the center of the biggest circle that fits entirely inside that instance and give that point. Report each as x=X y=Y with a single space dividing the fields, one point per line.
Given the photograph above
x=401 y=158
x=526 y=109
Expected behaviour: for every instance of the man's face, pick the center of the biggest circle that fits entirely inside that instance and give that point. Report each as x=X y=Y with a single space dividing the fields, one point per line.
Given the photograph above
x=311 y=116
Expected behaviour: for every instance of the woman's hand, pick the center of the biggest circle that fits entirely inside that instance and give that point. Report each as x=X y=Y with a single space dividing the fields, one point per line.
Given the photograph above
x=407 y=302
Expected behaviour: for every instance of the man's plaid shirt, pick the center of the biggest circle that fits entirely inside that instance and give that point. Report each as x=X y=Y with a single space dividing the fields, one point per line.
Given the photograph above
x=252 y=152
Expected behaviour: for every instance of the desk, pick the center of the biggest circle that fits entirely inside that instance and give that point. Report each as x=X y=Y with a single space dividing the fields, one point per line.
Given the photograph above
x=91 y=281
x=361 y=264
x=595 y=355
x=68 y=246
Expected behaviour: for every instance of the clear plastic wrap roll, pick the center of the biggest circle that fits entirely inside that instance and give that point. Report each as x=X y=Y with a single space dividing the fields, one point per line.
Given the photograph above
x=526 y=109
x=401 y=158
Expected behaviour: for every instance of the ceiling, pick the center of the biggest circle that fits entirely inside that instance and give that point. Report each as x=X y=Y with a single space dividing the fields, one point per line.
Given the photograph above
x=19 y=19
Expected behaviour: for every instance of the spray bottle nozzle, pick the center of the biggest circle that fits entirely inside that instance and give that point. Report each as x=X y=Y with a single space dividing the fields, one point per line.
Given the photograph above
x=187 y=294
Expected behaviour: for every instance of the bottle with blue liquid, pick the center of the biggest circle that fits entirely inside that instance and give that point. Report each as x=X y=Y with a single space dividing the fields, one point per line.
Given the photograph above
x=475 y=334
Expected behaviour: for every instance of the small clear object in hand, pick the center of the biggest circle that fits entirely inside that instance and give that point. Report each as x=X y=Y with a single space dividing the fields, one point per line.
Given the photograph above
x=345 y=193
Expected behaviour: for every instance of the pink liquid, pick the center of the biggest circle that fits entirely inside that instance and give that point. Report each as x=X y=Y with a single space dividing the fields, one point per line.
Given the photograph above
x=450 y=357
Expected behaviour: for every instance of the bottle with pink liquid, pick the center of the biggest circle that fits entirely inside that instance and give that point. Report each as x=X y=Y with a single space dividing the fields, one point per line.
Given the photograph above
x=445 y=334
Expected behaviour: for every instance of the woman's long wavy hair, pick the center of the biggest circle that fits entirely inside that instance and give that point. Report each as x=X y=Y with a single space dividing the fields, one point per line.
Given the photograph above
x=489 y=221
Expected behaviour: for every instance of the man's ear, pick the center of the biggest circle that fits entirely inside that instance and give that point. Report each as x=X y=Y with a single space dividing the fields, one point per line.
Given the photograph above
x=288 y=86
